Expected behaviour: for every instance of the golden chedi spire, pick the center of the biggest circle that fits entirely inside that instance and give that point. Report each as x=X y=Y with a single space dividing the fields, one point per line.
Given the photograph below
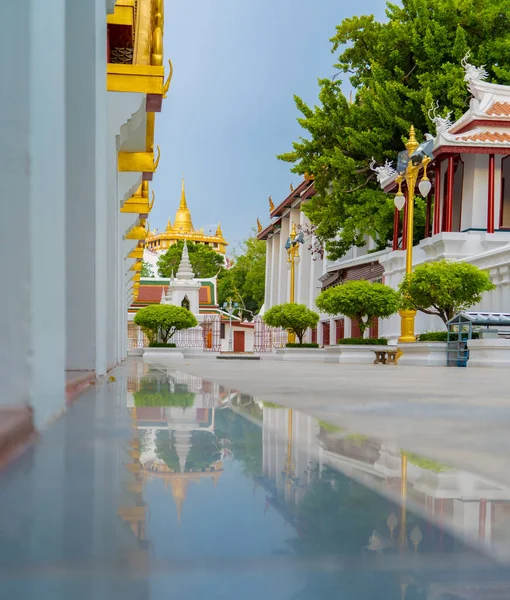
x=182 y=221
x=169 y=225
x=219 y=233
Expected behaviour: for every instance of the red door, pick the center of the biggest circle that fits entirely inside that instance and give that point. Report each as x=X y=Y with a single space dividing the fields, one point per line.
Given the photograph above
x=355 y=332
x=238 y=341
x=325 y=334
x=340 y=330
x=314 y=336
x=374 y=328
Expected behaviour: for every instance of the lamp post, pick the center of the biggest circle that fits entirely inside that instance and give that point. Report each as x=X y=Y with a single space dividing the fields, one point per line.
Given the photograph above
x=292 y=247
x=410 y=162
x=230 y=307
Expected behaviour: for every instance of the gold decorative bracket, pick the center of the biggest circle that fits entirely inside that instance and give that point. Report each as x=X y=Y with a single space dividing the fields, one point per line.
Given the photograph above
x=166 y=87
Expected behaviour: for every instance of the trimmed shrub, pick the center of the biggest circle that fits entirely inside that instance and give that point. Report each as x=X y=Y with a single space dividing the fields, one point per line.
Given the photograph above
x=161 y=345
x=305 y=345
x=440 y=336
x=363 y=342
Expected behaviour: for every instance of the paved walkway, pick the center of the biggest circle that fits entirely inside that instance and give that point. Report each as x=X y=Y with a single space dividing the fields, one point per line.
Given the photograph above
x=457 y=416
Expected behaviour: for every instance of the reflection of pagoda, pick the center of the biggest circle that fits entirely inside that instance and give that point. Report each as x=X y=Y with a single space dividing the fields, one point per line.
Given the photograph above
x=180 y=424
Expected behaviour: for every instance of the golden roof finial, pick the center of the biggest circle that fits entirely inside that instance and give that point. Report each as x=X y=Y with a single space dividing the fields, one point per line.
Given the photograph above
x=412 y=144
x=271 y=204
x=291 y=188
x=169 y=225
x=219 y=233
x=259 y=226
x=183 y=196
x=182 y=221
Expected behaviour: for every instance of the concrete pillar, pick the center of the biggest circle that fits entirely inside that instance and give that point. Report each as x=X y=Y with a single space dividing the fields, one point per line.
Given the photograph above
x=32 y=102
x=86 y=218
x=276 y=274
x=283 y=292
x=269 y=273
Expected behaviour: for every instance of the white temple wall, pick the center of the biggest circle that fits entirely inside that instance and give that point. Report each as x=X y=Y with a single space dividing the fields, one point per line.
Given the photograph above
x=269 y=273
x=283 y=292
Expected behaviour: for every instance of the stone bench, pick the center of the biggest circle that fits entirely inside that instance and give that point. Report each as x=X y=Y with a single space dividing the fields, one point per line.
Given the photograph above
x=386 y=357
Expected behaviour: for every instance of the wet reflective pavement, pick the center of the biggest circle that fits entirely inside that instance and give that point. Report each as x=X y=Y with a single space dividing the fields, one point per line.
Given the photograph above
x=163 y=485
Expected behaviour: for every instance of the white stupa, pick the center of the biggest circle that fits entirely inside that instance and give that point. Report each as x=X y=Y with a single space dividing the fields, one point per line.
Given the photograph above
x=183 y=289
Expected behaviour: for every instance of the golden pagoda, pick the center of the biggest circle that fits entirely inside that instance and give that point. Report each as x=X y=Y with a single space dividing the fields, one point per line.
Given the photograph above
x=183 y=229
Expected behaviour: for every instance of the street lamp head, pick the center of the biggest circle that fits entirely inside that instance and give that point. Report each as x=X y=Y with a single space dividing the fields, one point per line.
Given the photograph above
x=424 y=187
x=300 y=238
x=288 y=244
x=424 y=150
x=399 y=201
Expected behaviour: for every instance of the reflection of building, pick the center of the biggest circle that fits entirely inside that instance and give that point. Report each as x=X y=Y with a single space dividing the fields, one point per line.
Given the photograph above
x=181 y=424
x=475 y=508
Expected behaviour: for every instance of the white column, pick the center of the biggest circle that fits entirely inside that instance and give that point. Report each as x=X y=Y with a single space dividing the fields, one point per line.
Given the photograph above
x=86 y=217
x=305 y=267
x=283 y=292
x=269 y=274
x=32 y=109
x=275 y=271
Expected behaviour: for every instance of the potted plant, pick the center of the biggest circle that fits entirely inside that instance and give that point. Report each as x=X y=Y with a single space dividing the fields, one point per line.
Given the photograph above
x=441 y=289
x=163 y=320
x=296 y=319
x=361 y=301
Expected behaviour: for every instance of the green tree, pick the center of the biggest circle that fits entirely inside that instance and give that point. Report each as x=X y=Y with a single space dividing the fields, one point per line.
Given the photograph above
x=397 y=68
x=296 y=318
x=445 y=288
x=204 y=260
x=162 y=392
x=245 y=281
x=361 y=301
x=164 y=320
x=147 y=270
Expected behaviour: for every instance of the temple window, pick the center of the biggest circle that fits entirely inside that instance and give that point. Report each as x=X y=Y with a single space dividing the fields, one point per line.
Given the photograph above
x=505 y=193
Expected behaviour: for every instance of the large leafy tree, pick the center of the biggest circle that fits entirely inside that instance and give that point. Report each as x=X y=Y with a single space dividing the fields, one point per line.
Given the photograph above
x=204 y=260
x=163 y=320
x=296 y=318
x=445 y=288
x=245 y=281
x=361 y=301
x=397 y=68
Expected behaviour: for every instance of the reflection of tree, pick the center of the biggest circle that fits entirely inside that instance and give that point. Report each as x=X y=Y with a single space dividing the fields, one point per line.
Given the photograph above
x=155 y=391
x=203 y=452
x=245 y=439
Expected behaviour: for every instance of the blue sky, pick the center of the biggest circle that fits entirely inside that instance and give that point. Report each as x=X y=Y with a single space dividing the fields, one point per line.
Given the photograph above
x=230 y=109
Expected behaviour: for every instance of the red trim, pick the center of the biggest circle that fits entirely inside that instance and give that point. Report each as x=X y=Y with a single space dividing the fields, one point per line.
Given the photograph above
x=437 y=199
x=490 y=193
x=396 y=227
x=502 y=199
x=444 y=150
x=404 y=225
x=291 y=198
x=482 y=519
x=427 y=216
x=505 y=124
x=449 y=195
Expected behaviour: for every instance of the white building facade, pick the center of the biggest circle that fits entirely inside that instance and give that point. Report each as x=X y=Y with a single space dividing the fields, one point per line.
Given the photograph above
x=468 y=219
x=78 y=129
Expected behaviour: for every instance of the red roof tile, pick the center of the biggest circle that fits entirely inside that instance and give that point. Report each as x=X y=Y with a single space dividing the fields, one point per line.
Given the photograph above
x=500 y=109
x=150 y=293
x=487 y=136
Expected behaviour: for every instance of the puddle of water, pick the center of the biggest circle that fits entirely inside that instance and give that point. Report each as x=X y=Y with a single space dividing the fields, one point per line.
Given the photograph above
x=198 y=491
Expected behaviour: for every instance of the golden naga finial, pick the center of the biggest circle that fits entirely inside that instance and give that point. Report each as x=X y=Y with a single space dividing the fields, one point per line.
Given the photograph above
x=291 y=188
x=152 y=203
x=271 y=204
x=259 y=226
x=166 y=87
x=157 y=34
x=156 y=162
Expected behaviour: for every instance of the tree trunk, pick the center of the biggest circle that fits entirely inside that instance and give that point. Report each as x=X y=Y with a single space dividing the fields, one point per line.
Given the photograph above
x=362 y=326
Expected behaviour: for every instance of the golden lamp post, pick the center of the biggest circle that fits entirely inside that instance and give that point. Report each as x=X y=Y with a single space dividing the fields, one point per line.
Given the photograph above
x=410 y=163
x=292 y=247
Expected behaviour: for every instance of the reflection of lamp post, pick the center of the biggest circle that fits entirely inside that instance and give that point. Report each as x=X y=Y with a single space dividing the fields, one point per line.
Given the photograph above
x=230 y=307
x=289 y=470
x=292 y=247
x=408 y=168
x=402 y=537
